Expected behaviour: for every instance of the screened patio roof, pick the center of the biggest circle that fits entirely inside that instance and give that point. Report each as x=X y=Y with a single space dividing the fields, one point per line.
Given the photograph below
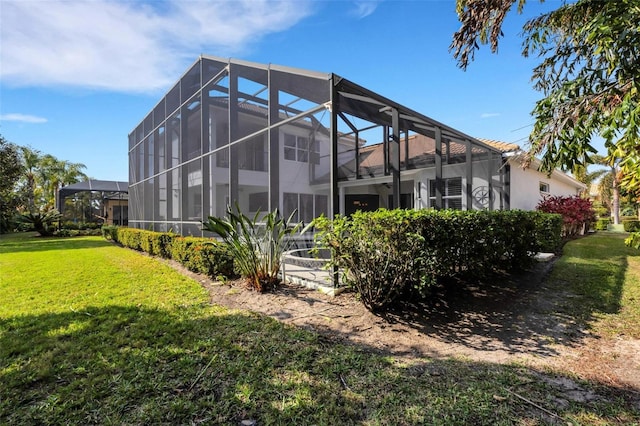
x=92 y=185
x=276 y=96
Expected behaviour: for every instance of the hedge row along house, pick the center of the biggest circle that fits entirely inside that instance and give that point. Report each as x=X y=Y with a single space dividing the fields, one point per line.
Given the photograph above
x=268 y=136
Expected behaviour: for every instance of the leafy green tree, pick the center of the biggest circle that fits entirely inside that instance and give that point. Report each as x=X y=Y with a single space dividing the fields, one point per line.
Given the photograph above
x=10 y=172
x=588 y=75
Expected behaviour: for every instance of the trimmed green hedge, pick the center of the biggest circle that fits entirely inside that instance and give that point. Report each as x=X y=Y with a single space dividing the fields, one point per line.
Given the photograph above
x=129 y=237
x=202 y=255
x=632 y=225
x=389 y=253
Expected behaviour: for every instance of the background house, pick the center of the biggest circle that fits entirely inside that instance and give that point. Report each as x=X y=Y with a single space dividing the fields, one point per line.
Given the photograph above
x=266 y=136
x=94 y=200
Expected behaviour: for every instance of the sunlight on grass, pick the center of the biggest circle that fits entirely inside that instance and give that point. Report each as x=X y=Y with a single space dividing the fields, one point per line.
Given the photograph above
x=606 y=275
x=91 y=333
x=71 y=279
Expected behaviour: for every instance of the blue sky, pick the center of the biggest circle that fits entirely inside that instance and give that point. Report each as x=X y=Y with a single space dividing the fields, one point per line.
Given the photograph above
x=77 y=76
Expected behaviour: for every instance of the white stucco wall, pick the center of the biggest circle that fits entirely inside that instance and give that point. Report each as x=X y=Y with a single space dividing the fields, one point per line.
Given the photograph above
x=525 y=186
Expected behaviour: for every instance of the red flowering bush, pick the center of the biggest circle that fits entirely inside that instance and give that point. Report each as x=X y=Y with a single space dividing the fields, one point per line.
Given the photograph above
x=577 y=213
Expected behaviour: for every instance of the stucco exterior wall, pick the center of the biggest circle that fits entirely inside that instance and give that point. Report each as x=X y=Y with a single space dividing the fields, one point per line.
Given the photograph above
x=525 y=187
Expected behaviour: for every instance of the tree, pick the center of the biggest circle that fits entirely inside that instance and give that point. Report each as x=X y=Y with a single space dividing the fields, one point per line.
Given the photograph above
x=10 y=172
x=609 y=186
x=42 y=177
x=588 y=76
x=54 y=174
x=30 y=163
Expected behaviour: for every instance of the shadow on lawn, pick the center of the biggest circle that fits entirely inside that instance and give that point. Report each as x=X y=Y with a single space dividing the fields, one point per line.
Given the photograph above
x=144 y=366
x=525 y=313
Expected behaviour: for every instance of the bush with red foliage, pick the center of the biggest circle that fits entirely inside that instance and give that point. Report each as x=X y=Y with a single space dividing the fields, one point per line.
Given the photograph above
x=577 y=212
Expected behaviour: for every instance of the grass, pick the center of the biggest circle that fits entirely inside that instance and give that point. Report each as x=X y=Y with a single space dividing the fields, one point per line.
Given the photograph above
x=605 y=275
x=91 y=333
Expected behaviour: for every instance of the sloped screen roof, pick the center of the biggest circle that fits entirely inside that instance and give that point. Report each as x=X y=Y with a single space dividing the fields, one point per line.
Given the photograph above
x=91 y=185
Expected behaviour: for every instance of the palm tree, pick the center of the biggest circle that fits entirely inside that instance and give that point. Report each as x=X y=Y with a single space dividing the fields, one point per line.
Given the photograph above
x=582 y=174
x=54 y=174
x=610 y=184
x=30 y=164
x=43 y=177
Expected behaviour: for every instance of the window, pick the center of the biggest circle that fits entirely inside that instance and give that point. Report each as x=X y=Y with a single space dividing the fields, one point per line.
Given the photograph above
x=259 y=201
x=307 y=206
x=252 y=154
x=299 y=148
x=544 y=187
x=451 y=193
x=289 y=205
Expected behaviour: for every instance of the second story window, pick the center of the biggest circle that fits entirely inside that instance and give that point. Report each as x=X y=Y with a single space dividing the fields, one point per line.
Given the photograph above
x=299 y=148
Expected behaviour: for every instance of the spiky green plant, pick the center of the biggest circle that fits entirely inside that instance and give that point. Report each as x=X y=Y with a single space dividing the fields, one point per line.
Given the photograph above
x=256 y=244
x=41 y=222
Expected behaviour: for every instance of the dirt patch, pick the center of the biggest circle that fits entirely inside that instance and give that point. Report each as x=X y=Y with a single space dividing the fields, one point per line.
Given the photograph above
x=517 y=318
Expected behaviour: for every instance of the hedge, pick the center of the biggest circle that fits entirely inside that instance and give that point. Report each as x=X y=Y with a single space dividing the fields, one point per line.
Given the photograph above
x=203 y=255
x=200 y=255
x=391 y=253
x=602 y=224
x=631 y=225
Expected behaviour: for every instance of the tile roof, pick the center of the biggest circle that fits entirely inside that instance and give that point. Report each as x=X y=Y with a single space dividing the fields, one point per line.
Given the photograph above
x=422 y=150
x=501 y=146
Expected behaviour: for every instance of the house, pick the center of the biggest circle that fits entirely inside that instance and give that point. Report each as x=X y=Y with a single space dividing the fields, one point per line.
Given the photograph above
x=105 y=199
x=266 y=136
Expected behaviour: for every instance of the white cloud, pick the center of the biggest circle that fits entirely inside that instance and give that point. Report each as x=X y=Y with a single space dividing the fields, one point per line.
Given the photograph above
x=23 y=118
x=364 y=8
x=489 y=114
x=128 y=45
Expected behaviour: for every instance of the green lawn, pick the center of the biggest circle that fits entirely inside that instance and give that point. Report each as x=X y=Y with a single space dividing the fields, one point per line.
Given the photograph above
x=91 y=333
x=605 y=274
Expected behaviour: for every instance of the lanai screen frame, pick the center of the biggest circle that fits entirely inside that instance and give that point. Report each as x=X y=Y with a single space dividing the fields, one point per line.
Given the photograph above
x=310 y=97
x=355 y=100
x=107 y=189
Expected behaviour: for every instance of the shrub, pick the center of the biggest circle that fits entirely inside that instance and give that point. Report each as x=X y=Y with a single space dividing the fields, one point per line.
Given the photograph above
x=380 y=254
x=577 y=212
x=602 y=224
x=64 y=232
x=146 y=241
x=70 y=225
x=633 y=240
x=256 y=244
x=110 y=232
x=202 y=255
x=43 y=223
x=129 y=237
x=631 y=225
x=388 y=253
x=161 y=244
x=548 y=231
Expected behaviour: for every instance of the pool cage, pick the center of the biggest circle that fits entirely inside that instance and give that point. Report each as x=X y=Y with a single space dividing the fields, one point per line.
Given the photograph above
x=97 y=201
x=264 y=136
